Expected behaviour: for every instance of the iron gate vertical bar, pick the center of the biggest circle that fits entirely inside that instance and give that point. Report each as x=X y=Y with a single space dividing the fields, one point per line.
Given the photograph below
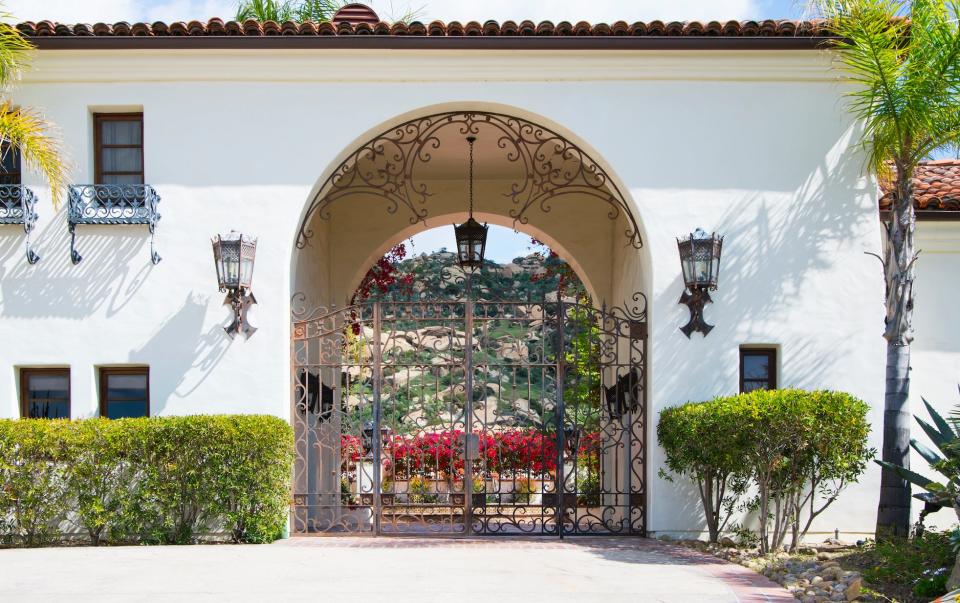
x=560 y=412
x=468 y=411
x=377 y=378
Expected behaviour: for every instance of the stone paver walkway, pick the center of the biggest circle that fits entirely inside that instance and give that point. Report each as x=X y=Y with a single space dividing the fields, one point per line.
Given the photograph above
x=610 y=570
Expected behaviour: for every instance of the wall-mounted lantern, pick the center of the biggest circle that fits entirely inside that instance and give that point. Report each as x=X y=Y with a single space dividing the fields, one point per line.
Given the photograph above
x=700 y=261
x=234 y=255
x=471 y=235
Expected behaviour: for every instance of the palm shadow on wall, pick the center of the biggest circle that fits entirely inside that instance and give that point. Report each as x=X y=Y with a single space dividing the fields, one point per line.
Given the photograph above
x=770 y=256
x=181 y=353
x=116 y=263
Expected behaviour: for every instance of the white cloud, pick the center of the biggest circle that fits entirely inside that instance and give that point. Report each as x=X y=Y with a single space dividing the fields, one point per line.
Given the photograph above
x=87 y=11
x=90 y=11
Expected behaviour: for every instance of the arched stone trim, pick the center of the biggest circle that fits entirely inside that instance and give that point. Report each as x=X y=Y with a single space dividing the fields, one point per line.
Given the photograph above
x=552 y=166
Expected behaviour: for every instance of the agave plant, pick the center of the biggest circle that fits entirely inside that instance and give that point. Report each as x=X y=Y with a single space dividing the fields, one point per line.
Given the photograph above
x=945 y=435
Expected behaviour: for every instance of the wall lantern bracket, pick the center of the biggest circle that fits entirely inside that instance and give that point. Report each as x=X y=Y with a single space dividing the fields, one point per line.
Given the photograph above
x=234 y=255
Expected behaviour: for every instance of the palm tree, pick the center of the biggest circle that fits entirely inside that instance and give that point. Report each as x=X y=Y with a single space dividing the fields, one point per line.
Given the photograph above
x=24 y=130
x=902 y=58
x=288 y=10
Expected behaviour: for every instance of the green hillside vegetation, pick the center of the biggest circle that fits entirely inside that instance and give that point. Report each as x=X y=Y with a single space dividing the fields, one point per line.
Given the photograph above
x=514 y=346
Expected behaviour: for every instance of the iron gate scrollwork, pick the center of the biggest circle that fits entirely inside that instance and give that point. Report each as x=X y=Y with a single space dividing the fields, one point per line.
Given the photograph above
x=432 y=416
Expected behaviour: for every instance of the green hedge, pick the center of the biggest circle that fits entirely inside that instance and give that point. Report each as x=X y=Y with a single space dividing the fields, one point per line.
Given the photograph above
x=796 y=450
x=171 y=480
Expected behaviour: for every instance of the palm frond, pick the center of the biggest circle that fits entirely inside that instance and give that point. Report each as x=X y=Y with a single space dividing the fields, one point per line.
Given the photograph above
x=266 y=10
x=39 y=147
x=15 y=51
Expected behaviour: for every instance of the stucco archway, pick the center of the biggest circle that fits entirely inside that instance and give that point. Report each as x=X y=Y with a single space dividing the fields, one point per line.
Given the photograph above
x=410 y=174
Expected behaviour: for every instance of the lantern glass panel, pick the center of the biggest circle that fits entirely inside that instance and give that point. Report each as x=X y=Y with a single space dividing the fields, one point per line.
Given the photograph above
x=234 y=257
x=700 y=259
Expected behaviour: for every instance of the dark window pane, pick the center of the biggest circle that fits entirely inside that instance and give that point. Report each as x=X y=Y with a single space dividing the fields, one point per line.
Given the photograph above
x=125 y=393
x=120 y=132
x=48 y=395
x=127 y=410
x=9 y=164
x=756 y=367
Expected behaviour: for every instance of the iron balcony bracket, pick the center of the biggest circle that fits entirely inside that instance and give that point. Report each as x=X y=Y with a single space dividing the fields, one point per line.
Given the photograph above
x=112 y=204
x=18 y=206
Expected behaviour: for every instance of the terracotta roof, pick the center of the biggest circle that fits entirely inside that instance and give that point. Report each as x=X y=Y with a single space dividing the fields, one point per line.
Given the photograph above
x=219 y=27
x=936 y=188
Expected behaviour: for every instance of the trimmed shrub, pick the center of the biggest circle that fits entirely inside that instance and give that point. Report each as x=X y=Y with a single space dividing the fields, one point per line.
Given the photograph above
x=33 y=464
x=799 y=449
x=158 y=480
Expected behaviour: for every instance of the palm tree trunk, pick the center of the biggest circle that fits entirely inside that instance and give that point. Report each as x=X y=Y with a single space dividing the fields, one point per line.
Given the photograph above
x=893 y=512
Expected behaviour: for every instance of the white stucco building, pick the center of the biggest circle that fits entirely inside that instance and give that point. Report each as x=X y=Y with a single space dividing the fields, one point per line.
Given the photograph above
x=737 y=128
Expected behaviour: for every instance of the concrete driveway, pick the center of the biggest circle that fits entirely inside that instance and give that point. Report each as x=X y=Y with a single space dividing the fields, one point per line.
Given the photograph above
x=610 y=570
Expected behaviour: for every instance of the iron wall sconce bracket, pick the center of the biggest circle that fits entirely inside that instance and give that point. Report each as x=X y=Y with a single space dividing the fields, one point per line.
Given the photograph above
x=234 y=255
x=700 y=263
x=696 y=300
x=240 y=301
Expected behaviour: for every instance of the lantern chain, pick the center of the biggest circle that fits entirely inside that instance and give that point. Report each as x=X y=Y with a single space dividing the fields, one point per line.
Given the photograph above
x=471 y=140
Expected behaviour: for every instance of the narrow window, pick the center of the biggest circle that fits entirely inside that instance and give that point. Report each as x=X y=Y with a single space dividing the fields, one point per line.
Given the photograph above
x=118 y=148
x=758 y=369
x=124 y=392
x=45 y=393
x=9 y=164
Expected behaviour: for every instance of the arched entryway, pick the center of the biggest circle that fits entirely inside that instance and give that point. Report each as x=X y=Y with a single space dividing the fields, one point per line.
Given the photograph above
x=378 y=410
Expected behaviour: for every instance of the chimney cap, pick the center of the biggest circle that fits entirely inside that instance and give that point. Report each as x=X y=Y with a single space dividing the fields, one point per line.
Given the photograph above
x=356 y=13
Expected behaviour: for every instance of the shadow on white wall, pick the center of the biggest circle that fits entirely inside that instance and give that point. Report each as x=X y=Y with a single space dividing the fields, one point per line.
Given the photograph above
x=182 y=354
x=116 y=264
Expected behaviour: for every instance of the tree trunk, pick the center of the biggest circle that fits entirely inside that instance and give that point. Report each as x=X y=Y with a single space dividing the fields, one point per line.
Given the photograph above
x=893 y=512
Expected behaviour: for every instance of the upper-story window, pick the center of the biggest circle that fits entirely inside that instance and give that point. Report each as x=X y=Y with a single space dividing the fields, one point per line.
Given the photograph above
x=9 y=164
x=118 y=148
x=45 y=393
x=758 y=369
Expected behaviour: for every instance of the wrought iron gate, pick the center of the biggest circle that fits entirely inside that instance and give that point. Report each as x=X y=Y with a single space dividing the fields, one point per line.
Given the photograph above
x=470 y=417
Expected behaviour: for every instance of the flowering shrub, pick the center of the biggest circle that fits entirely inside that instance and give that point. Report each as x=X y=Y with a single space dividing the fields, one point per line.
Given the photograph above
x=509 y=453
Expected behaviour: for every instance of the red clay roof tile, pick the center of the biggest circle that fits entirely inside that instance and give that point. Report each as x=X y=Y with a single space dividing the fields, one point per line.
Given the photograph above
x=936 y=188
x=250 y=27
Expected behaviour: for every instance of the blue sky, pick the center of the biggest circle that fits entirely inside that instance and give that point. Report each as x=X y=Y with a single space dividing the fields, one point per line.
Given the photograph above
x=72 y=11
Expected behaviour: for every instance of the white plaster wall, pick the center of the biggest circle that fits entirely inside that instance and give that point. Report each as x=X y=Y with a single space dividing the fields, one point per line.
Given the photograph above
x=753 y=145
x=935 y=354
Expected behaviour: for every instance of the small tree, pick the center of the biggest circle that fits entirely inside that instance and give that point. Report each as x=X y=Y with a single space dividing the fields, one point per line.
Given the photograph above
x=703 y=441
x=903 y=59
x=798 y=449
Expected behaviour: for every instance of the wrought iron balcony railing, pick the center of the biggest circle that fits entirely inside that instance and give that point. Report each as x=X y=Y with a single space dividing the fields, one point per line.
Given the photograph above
x=18 y=206
x=112 y=204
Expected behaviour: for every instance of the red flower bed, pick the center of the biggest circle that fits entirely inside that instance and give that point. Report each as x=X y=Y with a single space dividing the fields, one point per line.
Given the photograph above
x=509 y=453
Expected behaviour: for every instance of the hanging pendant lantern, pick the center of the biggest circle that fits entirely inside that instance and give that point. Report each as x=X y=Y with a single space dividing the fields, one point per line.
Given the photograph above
x=471 y=235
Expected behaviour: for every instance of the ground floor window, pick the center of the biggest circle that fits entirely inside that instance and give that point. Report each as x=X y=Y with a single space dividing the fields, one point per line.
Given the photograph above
x=124 y=392
x=45 y=393
x=758 y=369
